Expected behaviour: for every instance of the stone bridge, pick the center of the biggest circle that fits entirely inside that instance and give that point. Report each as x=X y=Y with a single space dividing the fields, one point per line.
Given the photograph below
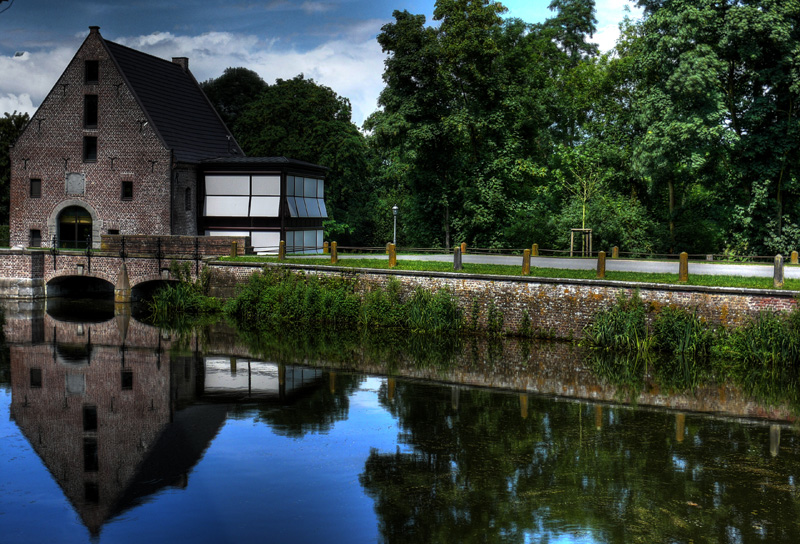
x=122 y=264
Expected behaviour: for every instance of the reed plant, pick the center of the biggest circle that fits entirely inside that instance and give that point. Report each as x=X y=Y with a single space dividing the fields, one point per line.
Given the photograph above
x=680 y=331
x=623 y=327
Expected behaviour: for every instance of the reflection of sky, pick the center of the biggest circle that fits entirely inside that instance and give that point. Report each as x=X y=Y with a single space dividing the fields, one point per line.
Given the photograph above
x=28 y=493
x=294 y=489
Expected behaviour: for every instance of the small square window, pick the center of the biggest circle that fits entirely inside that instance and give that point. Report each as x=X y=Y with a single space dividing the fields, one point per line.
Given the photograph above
x=92 y=71
x=90 y=111
x=127 y=380
x=127 y=190
x=35 y=238
x=36 y=378
x=36 y=188
x=89 y=148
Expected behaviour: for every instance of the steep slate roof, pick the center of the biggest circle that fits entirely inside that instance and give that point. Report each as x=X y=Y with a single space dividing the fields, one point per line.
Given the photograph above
x=179 y=111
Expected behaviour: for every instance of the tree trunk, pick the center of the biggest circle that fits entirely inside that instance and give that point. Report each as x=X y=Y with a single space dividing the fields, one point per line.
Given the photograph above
x=447 y=226
x=671 y=185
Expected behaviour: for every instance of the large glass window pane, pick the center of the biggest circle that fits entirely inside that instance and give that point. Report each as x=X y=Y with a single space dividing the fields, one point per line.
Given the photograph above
x=320 y=188
x=310 y=188
x=226 y=206
x=292 y=206
x=290 y=185
x=320 y=240
x=312 y=207
x=227 y=185
x=323 y=211
x=264 y=206
x=290 y=241
x=301 y=207
x=267 y=185
x=310 y=241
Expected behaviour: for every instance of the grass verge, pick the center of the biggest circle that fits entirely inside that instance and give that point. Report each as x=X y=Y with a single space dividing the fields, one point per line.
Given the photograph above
x=554 y=273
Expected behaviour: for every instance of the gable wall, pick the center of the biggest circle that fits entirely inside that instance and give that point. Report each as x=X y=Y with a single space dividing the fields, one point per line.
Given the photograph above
x=52 y=146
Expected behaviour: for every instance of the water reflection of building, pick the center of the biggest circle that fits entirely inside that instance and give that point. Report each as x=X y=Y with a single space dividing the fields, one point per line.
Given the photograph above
x=110 y=411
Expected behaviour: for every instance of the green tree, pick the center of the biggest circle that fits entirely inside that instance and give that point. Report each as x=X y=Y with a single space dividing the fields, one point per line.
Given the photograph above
x=233 y=91
x=300 y=119
x=11 y=126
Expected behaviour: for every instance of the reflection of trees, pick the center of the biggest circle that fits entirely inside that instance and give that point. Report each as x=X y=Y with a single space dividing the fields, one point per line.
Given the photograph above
x=315 y=411
x=483 y=472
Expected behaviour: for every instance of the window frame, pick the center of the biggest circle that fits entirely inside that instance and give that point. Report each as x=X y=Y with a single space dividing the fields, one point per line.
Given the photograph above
x=91 y=72
x=90 y=111
x=37 y=184
x=126 y=190
x=90 y=149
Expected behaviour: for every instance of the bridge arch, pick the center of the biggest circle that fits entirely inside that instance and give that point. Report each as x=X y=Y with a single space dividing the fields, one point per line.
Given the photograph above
x=87 y=286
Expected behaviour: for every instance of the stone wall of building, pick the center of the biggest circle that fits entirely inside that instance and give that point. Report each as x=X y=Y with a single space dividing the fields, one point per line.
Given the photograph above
x=51 y=148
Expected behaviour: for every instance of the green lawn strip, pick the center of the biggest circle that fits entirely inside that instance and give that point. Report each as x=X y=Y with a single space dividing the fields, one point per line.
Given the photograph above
x=510 y=270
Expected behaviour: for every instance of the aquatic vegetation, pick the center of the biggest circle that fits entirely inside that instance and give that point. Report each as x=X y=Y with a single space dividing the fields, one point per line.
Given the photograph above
x=623 y=326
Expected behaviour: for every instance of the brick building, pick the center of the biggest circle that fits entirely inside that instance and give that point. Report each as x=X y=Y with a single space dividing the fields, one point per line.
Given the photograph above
x=122 y=144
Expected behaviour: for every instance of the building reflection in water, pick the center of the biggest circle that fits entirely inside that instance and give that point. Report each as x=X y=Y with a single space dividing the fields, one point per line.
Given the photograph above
x=115 y=416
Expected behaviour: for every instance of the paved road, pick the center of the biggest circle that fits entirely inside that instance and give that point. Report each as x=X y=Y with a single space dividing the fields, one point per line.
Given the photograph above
x=619 y=265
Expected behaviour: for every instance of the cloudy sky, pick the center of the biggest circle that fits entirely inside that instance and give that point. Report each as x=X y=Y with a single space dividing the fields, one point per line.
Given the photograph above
x=331 y=41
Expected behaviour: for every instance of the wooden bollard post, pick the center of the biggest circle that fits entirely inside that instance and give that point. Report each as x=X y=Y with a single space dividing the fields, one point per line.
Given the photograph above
x=282 y=250
x=794 y=257
x=234 y=248
x=683 y=268
x=777 y=275
x=535 y=250
x=388 y=245
x=463 y=248
x=325 y=248
x=601 y=265
x=334 y=254
x=615 y=252
x=457 y=259
x=526 y=262
x=392 y=256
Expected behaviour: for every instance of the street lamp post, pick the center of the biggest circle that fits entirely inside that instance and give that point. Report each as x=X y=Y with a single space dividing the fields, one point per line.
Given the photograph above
x=394 y=212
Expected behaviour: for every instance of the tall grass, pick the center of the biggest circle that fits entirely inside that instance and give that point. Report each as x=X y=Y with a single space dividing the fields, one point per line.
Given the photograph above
x=184 y=299
x=277 y=296
x=621 y=327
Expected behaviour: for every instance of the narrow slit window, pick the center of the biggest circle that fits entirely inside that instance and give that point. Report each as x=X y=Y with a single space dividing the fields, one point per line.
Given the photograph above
x=127 y=380
x=89 y=418
x=92 y=71
x=127 y=190
x=90 y=111
x=90 y=149
x=35 y=238
x=36 y=188
x=36 y=378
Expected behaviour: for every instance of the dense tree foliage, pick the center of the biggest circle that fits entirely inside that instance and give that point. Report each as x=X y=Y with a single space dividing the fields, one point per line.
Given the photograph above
x=303 y=120
x=11 y=126
x=500 y=133
x=233 y=91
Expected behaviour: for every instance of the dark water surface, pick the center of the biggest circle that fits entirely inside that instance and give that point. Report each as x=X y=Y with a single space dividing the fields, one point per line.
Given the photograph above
x=114 y=431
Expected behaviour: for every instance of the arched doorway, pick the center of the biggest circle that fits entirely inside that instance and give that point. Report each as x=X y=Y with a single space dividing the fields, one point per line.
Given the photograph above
x=74 y=227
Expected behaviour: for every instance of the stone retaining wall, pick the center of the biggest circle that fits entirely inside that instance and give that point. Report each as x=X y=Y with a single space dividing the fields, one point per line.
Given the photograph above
x=556 y=307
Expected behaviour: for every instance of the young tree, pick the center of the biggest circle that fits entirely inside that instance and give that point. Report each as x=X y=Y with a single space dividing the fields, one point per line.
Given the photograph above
x=11 y=126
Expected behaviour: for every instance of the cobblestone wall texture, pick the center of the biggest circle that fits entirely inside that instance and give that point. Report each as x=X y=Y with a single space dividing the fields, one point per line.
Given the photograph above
x=556 y=308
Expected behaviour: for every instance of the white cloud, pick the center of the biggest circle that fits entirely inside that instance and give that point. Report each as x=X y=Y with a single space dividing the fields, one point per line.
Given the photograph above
x=352 y=67
x=29 y=77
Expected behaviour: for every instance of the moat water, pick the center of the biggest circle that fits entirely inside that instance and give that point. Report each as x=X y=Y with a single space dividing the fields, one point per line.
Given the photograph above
x=116 y=431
